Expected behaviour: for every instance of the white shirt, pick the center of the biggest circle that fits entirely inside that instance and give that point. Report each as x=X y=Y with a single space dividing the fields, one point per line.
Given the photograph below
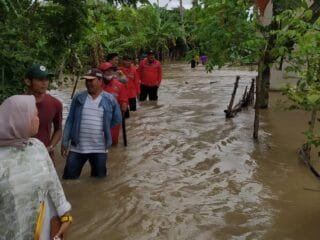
x=91 y=136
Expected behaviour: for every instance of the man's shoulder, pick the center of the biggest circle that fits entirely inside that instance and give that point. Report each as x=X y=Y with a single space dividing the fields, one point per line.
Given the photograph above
x=133 y=68
x=118 y=83
x=157 y=62
x=49 y=103
x=52 y=99
x=82 y=94
x=143 y=61
x=107 y=97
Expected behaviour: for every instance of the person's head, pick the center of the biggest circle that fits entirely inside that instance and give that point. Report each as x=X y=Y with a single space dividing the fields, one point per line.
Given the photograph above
x=18 y=120
x=93 y=80
x=126 y=61
x=37 y=79
x=107 y=70
x=151 y=56
x=113 y=58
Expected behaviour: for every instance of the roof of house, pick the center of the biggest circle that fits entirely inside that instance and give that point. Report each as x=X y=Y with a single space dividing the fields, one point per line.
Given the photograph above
x=262 y=4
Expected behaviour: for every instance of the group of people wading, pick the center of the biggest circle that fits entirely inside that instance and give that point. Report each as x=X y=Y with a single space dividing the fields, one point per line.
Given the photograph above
x=32 y=202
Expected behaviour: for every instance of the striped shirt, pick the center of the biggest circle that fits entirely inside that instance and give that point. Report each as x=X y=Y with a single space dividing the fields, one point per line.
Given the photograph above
x=91 y=138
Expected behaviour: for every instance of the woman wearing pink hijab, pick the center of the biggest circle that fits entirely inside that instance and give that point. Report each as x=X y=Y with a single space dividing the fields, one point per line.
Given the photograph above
x=30 y=190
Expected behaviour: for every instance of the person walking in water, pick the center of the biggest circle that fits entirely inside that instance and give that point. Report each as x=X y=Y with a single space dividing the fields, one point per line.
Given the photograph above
x=203 y=59
x=49 y=107
x=133 y=84
x=31 y=194
x=87 y=129
x=113 y=86
x=197 y=59
x=193 y=63
x=113 y=58
x=150 y=74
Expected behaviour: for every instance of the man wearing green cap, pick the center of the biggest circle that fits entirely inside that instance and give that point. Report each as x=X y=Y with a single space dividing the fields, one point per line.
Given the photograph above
x=49 y=108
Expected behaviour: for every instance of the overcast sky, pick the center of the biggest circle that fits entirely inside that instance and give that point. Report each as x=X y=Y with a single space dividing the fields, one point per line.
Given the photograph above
x=173 y=3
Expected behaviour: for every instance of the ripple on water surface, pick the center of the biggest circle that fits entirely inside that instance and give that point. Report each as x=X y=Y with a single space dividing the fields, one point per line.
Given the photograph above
x=187 y=173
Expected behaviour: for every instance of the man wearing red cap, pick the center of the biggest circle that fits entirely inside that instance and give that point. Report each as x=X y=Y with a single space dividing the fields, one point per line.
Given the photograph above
x=118 y=90
x=150 y=72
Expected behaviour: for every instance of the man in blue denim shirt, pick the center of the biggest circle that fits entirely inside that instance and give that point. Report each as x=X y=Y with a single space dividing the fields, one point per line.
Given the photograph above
x=87 y=128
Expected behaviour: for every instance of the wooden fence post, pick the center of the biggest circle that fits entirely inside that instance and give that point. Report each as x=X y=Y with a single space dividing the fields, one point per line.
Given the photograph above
x=228 y=111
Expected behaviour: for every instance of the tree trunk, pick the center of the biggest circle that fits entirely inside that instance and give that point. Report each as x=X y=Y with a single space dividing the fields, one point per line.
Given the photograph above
x=61 y=68
x=258 y=99
x=315 y=7
x=307 y=146
x=265 y=85
x=181 y=11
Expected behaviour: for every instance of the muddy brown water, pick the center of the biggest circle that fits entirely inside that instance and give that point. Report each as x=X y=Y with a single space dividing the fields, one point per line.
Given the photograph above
x=188 y=173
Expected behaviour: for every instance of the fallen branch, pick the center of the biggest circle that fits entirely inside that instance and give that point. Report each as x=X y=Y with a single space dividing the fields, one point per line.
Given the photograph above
x=228 y=111
x=246 y=100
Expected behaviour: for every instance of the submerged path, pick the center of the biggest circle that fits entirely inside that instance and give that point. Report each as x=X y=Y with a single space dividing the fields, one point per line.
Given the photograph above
x=188 y=173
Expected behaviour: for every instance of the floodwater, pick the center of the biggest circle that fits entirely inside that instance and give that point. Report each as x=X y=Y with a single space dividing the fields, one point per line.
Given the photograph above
x=188 y=173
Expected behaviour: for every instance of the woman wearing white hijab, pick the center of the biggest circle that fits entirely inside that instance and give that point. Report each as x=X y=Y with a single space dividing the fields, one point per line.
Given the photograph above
x=30 y=190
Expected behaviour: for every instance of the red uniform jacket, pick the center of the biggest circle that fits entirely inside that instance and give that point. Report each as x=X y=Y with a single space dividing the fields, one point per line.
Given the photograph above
x=150 y=74
x=118 y=90
x=133 y=84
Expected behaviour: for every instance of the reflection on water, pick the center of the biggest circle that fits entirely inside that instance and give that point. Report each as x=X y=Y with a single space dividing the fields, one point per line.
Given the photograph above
x=188 y=173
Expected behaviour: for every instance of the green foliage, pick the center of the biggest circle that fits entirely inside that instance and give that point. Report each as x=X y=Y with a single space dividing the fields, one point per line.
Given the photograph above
x=36 y=32
x=127 y=30
x=304 y=60
x=283 y=5
x=313 y=138
x=226 y=34
x=65 y=35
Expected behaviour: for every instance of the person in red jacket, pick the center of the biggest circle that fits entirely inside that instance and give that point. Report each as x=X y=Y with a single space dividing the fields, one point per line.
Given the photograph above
x=133 y=83
x=118 y=90
x=113 y=58
x=150 y=73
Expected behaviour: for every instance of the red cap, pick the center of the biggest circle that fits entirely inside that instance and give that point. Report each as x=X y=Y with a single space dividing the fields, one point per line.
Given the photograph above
x=105 y=66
